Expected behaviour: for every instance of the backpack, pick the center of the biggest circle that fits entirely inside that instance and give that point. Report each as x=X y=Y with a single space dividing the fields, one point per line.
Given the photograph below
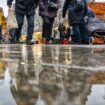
x=78 y=5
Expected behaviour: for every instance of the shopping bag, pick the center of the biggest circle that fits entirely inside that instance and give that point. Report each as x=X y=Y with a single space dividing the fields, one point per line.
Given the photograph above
x=11 y=20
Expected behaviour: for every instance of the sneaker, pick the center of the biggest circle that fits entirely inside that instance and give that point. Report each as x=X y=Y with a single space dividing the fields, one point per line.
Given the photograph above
x=30 y=42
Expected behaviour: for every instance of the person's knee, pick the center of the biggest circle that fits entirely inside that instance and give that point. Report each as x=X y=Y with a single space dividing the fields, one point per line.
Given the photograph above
x=20 y=24
x=31 y=23
x=46 y=21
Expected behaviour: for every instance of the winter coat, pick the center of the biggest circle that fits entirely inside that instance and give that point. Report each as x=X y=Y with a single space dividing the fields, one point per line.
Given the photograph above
x=44 y=10
x=24 y=6
x=74 y=16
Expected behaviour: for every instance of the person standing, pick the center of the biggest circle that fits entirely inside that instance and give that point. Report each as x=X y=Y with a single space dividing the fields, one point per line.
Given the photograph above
x=62 y=30
x=48 y=11
x=22 y=8
x=77 y=11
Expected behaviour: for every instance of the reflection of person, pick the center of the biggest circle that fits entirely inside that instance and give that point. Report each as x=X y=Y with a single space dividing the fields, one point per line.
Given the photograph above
x=76 y=19
x=22 y=8
x=48 y=15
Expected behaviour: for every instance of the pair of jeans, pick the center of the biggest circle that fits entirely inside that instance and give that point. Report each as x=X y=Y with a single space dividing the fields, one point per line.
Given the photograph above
x=81 y=34
x=30 y=29
x=47 y=27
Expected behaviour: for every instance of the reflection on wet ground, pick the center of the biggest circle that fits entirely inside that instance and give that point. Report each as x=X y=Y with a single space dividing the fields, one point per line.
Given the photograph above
x=52 y=75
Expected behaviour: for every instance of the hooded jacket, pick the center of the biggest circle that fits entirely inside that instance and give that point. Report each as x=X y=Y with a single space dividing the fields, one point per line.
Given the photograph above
x=74 y=17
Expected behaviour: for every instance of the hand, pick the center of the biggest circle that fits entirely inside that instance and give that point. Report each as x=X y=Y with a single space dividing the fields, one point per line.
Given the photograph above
x=86 y=17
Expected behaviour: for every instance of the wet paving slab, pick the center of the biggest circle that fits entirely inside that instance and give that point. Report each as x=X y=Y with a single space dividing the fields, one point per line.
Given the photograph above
x=52 y=75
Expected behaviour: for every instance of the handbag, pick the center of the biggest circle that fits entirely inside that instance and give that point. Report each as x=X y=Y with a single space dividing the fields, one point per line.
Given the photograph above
x=11 y=20
x=53 y=6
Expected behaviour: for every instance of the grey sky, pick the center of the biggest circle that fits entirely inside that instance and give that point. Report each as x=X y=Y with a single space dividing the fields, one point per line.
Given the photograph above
x=3 y=3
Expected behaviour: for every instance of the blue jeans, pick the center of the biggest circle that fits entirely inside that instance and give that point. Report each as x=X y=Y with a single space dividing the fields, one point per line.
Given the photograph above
x=30 y=29
x=81 y=34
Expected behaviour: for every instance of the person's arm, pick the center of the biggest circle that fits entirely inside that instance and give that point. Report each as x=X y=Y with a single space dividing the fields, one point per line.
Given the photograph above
x=86 y=8
x=36 y=3
x=9 y=3
x=65 y=7
x=58 y=4
x=41 y=4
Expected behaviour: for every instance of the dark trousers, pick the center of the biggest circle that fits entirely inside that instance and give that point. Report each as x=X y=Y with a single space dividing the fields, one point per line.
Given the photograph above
x=81 y=34
x=47 y=27
x=62 y=35
x=30 y=29
x=0 y=33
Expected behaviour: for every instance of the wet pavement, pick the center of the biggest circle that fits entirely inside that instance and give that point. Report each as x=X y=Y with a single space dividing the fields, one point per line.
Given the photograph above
x=52 y=75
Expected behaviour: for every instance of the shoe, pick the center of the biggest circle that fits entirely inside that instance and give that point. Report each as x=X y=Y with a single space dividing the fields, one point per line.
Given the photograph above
x=30 y=42
x=65 y=41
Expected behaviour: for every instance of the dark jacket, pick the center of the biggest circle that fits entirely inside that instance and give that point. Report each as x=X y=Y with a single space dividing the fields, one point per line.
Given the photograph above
x=24 y=6
x=74 y=16
x=43 y=8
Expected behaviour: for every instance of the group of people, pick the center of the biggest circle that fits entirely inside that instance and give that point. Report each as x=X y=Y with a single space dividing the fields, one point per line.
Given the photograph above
x=77 y=14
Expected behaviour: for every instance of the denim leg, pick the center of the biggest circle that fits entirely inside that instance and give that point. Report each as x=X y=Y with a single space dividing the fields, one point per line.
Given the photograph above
x=84 y=34
x=30 y=29
x=77 y=34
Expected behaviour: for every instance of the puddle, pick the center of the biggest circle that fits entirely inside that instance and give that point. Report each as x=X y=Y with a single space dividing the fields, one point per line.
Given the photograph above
x=52 y=75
